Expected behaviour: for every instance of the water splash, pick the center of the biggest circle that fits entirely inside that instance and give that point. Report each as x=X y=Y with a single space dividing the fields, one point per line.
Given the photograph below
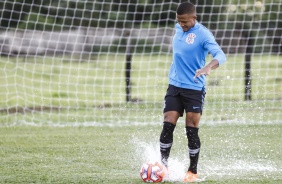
x=209 y=169
x=149 y=152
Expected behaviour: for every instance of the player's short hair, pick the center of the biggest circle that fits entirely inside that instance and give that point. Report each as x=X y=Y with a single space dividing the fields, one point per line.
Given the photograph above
x=186 y=8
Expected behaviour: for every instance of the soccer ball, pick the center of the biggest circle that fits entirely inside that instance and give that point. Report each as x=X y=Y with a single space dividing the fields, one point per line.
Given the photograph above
x=152 y=172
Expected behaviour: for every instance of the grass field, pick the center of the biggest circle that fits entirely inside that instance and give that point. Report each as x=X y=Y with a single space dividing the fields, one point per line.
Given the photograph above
x=229 y=154
x=67 y=122
x=61 y=90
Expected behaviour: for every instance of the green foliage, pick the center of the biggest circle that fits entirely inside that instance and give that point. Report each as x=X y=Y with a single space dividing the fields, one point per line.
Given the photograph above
x=49 y=15
x=39 y=22
x=256 y=16
x=127 y=14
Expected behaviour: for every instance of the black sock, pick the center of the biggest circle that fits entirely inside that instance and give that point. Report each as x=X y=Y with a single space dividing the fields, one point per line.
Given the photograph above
x=166 y=140
x=194 y=145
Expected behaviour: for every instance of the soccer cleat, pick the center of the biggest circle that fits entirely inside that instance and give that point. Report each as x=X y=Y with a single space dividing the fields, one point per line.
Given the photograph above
x=191 y=177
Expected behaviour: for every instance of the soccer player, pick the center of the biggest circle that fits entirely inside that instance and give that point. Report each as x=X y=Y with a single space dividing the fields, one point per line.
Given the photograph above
x=186 y=90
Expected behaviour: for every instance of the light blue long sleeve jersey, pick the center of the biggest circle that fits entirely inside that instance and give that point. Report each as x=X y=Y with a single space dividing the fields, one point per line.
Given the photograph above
x=189 y=54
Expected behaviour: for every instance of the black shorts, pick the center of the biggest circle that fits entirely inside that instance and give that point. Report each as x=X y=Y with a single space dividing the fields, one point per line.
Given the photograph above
x=180 y=99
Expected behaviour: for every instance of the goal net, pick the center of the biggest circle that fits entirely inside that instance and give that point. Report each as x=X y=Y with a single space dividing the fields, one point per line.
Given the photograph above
x=96 y=63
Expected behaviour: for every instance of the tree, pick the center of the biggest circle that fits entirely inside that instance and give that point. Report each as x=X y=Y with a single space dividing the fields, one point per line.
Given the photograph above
x=13 y=12
x=256 y=16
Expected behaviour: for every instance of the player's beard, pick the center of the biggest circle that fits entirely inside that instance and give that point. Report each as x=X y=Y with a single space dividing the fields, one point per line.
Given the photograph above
x=185 y=29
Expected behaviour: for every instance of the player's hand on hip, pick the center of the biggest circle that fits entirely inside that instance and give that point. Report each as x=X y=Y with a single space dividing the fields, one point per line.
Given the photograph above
x=202 y=71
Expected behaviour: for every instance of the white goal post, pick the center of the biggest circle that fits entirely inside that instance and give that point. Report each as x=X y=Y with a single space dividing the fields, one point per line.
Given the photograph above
x=69 y=62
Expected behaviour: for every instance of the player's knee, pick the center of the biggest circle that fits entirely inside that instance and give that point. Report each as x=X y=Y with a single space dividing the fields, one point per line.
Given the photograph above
x=171 y=116
x=193 y=119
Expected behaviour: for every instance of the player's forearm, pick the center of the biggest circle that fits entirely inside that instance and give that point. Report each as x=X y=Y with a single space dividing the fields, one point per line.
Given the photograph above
x=218 y=55
x=213 y=64
x=207 y=69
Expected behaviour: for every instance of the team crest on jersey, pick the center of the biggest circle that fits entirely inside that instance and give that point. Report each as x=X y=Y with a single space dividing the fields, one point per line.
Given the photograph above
x=190 y=38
